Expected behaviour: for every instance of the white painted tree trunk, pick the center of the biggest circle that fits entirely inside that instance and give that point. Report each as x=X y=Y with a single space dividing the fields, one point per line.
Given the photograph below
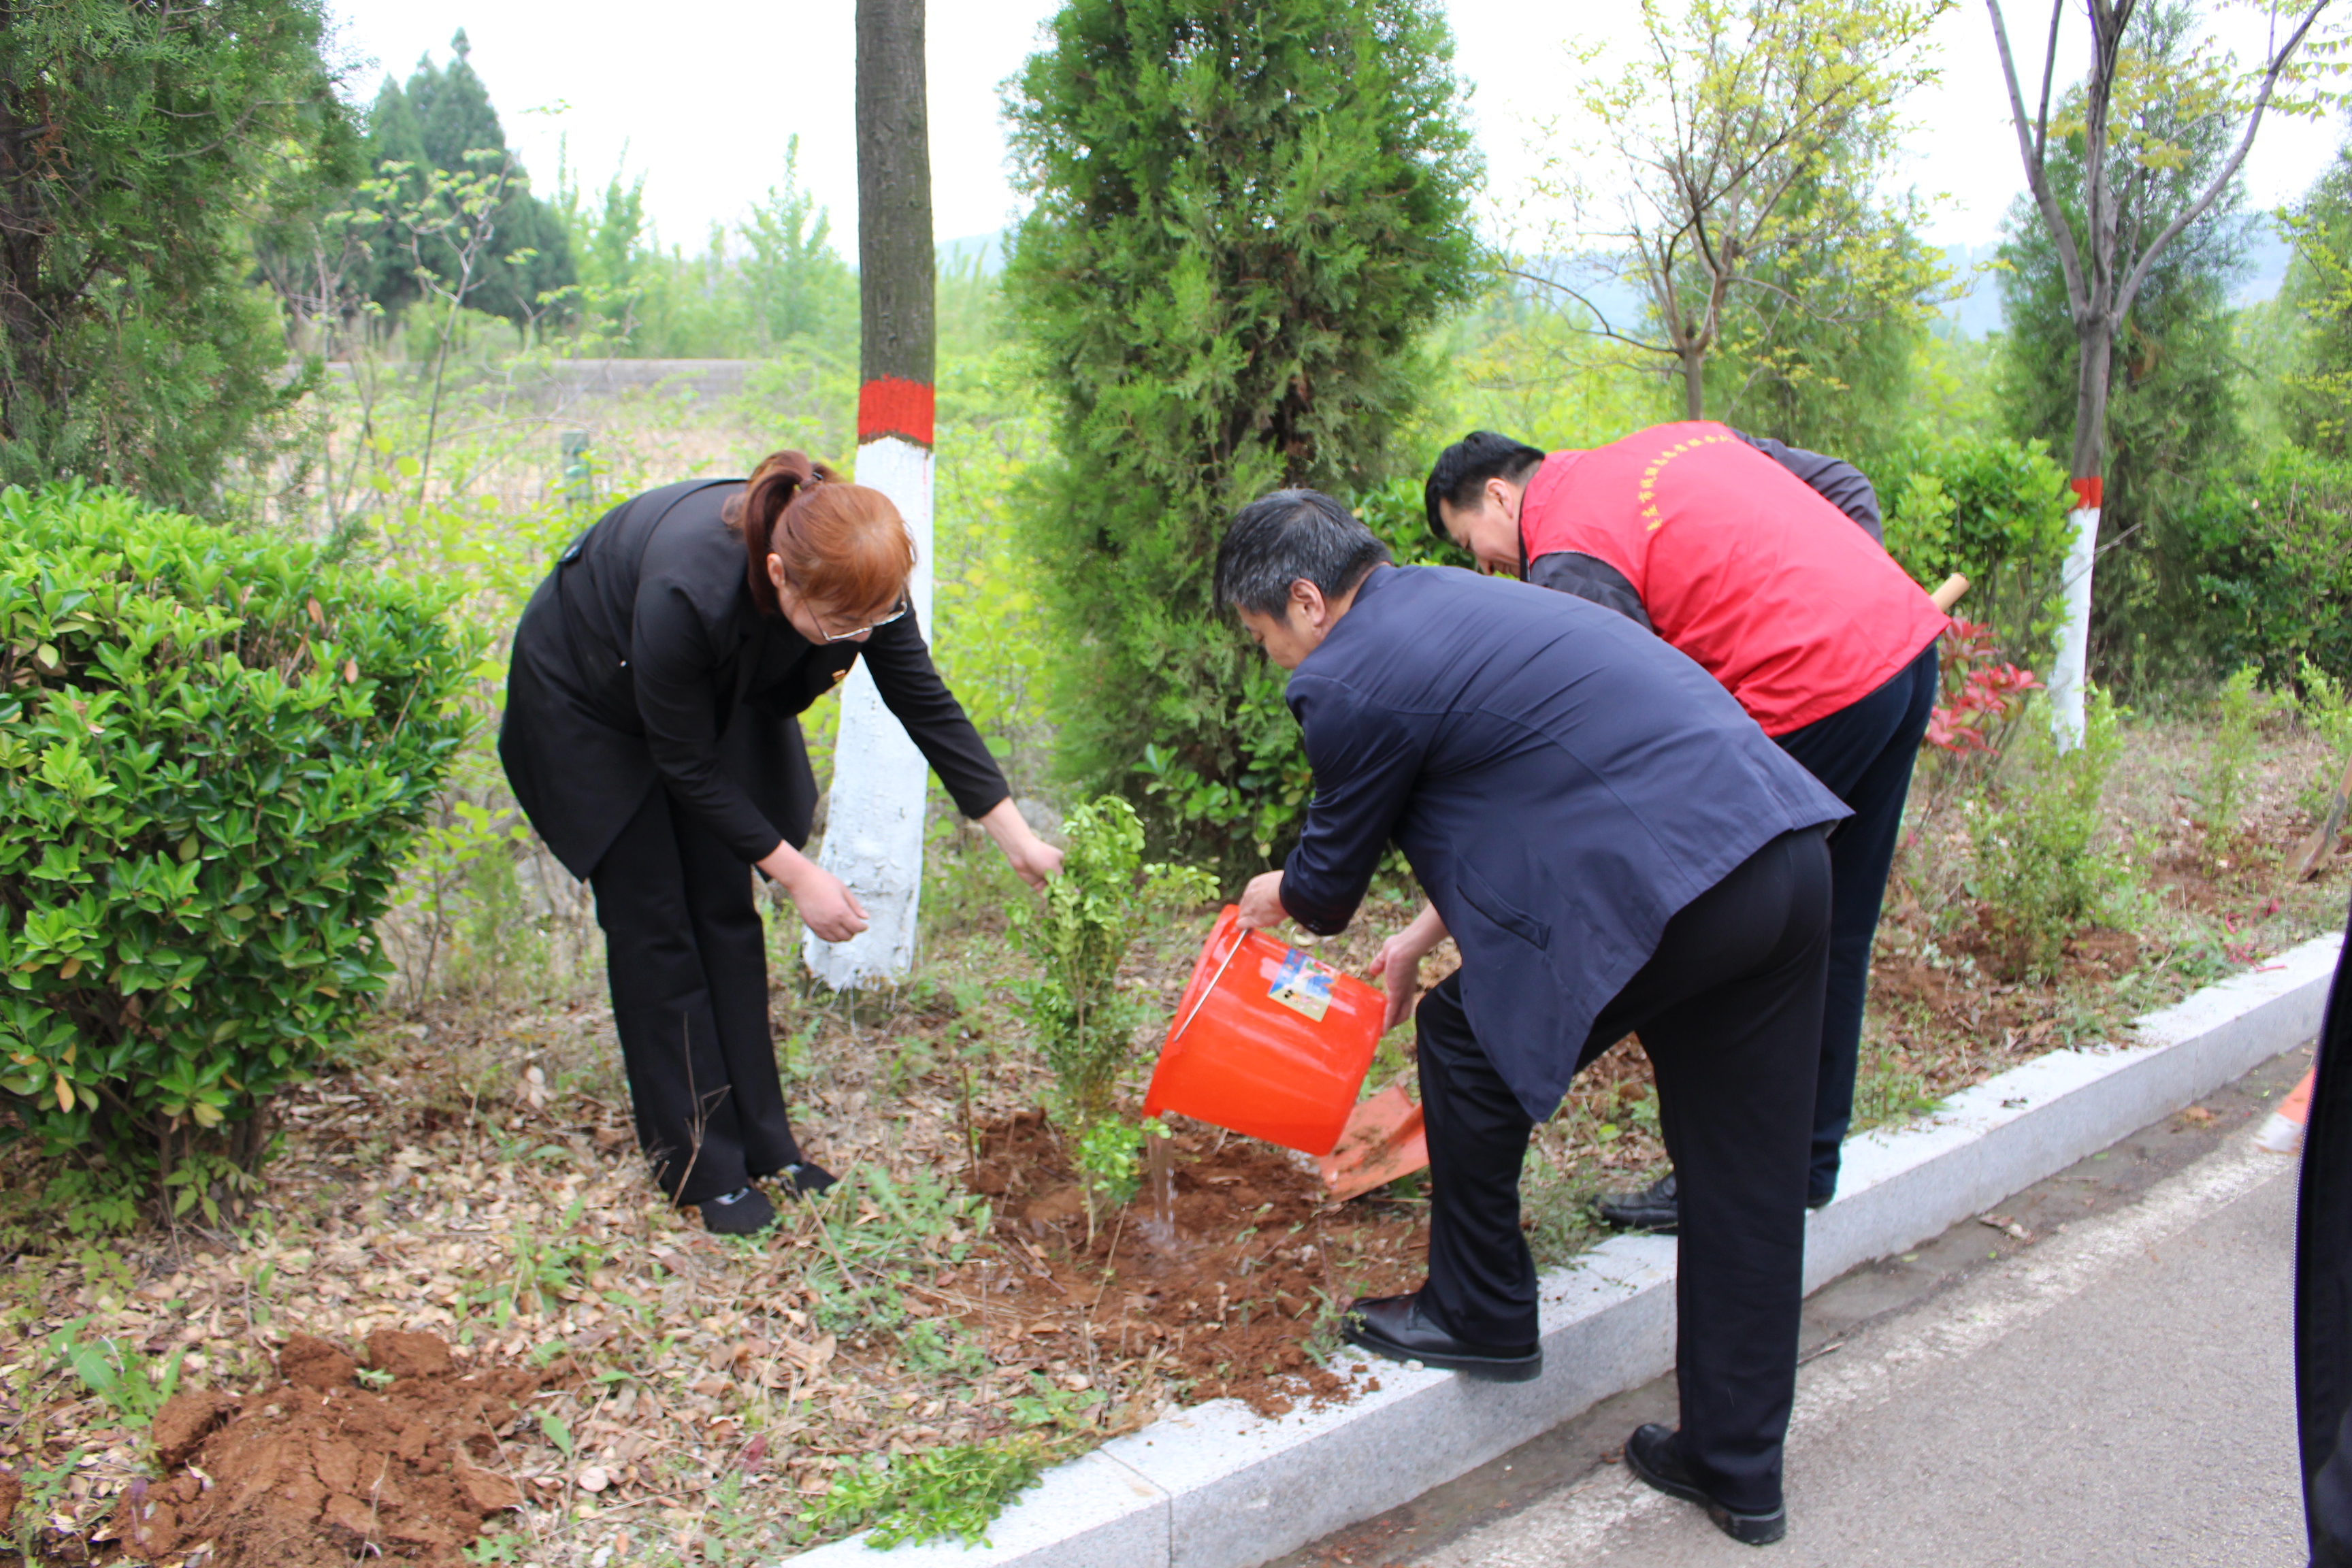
x=874 y=816
x=2070 y=669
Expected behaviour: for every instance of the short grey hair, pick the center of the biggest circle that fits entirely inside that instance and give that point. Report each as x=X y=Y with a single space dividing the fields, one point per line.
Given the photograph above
x=1280 y=538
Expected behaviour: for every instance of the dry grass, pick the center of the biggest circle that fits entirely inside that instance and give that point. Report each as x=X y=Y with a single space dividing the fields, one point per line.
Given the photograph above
x=472 y=1174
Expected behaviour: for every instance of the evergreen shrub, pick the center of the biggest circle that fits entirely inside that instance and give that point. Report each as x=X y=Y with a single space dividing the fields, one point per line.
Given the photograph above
x=215 y=753
x=1996 y=511
x=2275 y=567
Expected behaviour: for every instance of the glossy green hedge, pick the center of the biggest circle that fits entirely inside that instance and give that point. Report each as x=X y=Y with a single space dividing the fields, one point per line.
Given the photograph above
x=215 y=750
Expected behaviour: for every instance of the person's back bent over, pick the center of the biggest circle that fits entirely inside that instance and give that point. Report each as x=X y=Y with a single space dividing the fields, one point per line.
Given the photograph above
x=1614 y=845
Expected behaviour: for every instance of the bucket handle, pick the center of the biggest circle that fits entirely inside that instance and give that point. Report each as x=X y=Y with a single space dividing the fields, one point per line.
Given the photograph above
x=1239 y=937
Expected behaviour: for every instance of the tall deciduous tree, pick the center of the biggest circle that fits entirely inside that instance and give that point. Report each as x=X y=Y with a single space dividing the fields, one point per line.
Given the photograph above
x=140 y=148
x=1246 y=214
x=2174 y=427
x=873 y=821
x=1742 y=194
x=2130 y=116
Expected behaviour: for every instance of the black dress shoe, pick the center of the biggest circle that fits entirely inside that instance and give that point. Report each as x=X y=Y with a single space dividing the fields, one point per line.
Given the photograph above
x=746 y=1212
x=805 y=1180
x=1655 y=1207
x=1395 y=1327
x=1818 y=1201
x=1655 y=1453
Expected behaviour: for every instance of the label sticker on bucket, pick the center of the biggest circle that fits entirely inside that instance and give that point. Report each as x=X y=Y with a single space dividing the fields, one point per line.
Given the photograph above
x=1302 y=986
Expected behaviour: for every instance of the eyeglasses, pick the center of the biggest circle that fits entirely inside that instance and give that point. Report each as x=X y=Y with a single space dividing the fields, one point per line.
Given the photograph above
x=905 y=605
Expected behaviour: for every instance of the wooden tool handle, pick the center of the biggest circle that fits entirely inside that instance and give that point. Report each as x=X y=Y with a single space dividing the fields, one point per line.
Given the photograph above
x=1949 y=593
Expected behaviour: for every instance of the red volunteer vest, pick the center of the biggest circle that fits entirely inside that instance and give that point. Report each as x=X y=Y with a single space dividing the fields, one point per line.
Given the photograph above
x=1739 y=563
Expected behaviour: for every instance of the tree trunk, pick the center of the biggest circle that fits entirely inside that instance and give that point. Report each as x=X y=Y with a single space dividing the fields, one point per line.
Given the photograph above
x=1695 y=384
x=896 y=260
x=2069 y=669
x=873 y=819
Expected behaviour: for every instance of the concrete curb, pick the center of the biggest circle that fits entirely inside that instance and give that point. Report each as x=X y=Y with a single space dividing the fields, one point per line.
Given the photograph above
x=1216 y=1487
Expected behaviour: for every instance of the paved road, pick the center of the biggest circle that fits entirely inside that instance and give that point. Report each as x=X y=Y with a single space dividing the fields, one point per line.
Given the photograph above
x=2116 y=1390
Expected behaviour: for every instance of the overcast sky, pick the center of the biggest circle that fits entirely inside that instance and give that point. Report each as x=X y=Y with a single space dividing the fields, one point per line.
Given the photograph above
x=701 y=100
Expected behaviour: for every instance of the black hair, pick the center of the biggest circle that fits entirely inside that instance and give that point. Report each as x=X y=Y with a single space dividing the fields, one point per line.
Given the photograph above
x=1282 y=537
x=1469 y=463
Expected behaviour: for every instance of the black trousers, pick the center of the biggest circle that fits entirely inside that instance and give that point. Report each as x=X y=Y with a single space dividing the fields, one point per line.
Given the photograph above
x=689 y=967
x=1863 y=754
x=2323 y=1286
x=1729 y=1008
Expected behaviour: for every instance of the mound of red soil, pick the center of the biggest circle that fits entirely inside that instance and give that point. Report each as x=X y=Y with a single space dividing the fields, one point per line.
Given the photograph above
x=1261 y=1257
x=319 y=1471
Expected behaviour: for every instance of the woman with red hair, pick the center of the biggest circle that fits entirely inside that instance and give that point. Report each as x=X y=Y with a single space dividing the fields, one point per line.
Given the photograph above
x=652 y=736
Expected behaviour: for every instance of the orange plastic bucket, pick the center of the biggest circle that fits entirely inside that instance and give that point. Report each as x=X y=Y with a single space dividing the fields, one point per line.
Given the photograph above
x=1268 y=1042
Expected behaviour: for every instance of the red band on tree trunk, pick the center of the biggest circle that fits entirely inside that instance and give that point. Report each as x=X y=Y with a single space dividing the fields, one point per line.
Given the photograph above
x=890 y=405
x=2086 y=492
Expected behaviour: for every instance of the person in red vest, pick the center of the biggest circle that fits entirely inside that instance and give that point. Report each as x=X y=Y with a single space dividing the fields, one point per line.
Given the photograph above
x=1763 y=563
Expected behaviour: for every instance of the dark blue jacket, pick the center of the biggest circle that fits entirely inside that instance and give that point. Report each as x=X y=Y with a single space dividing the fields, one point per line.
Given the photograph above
x=1562 y=781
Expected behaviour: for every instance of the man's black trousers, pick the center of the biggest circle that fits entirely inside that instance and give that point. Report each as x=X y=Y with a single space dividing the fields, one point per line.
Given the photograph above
x=1729 y=1008
x=1863 y=754
x=2323 y=1285
x=688 y=966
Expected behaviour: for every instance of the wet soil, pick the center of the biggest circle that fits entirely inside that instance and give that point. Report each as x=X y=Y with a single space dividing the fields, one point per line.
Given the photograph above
x=321 y=1470
x=1260 y=1268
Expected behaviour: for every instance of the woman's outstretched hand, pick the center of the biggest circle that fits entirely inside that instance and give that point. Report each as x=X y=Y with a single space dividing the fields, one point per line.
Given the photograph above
x=826 y=907
x=1035 y=861
x=1398 y=964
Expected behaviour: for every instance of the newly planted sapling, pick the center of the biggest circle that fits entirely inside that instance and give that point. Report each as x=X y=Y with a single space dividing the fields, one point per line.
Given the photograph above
x=1109 y=1157
x=2041 y=873
x=1079 y=934
x=2221 y=788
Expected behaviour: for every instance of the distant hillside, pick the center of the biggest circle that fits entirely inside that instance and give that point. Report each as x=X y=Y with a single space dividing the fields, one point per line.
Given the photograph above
x=1977 y=311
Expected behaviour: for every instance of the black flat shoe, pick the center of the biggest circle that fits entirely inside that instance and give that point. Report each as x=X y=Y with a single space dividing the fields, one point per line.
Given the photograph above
x=1656 y=1207
x=1655 y=1453
x=744 y=1212
x=806 y=1180
x=1394 y=1326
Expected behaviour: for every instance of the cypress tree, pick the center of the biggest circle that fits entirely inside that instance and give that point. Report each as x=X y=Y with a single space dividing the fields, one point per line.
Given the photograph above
x=445 y=120
x=1246 y=214
x=141 y=147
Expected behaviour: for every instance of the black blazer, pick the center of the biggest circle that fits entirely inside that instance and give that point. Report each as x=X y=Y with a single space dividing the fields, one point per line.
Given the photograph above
x=1562 y=781
x=642 y=658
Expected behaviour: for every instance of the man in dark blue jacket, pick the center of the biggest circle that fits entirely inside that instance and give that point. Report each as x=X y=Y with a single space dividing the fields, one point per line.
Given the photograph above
x=1614 y=845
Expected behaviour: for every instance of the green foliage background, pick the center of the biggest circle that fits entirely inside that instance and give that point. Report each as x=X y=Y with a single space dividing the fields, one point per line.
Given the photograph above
x=1245 y=216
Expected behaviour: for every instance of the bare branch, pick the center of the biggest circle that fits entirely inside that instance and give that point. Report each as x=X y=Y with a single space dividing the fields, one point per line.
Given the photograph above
x=2037 y=176
x=1606 y=330
x=2049 y=75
